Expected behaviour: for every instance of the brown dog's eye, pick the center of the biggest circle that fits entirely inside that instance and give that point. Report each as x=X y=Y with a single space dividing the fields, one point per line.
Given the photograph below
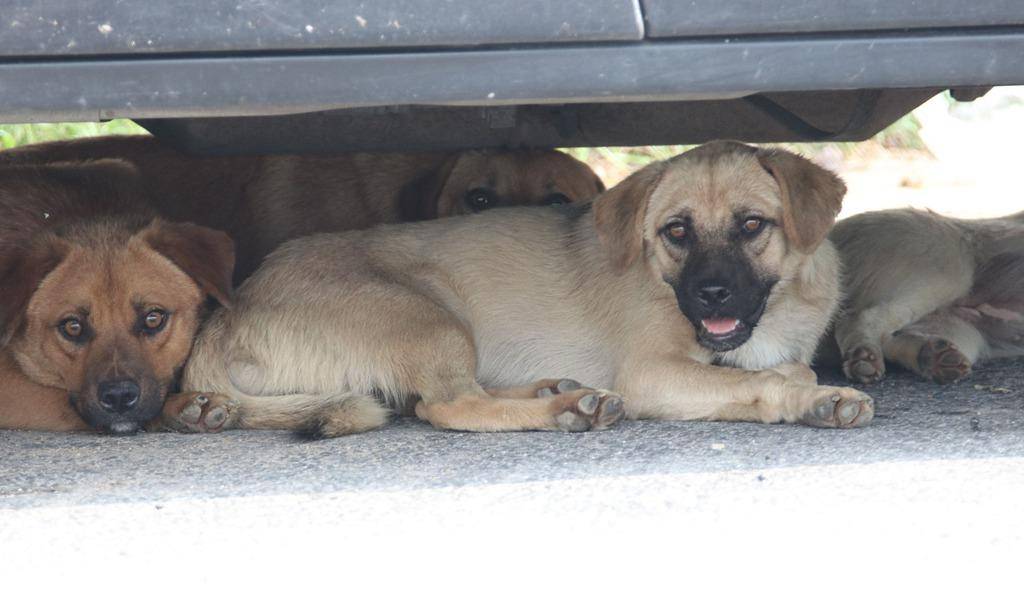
x=153 y=321
x=752 y=226
x=72 y=329
x=556 y=199
x=479 y=199
x=676 y=231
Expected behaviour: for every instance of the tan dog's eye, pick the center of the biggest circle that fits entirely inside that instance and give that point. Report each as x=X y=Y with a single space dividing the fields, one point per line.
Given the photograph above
x=153 y=321
x=72 y=329
x=752 y=225
x=676 y=231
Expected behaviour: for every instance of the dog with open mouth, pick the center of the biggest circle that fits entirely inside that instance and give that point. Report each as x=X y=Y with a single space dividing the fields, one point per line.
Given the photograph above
x=698 y=288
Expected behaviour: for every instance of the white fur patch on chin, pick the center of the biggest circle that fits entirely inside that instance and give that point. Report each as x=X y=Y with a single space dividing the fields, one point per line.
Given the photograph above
x=123 y=427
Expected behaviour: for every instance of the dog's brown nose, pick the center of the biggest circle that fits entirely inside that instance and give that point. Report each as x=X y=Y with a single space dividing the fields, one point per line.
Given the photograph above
x=118 y=396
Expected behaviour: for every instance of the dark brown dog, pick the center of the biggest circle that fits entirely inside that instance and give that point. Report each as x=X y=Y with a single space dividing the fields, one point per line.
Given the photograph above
x=99 y=301
x=263 y=201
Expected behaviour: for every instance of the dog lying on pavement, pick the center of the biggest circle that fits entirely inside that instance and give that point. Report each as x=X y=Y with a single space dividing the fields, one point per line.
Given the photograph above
x=99 y=300
x=933 y=294
x=262 y=201
x=698 y=288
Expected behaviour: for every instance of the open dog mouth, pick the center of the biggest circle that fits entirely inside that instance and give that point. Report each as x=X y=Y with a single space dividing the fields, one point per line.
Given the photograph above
x=723 y=333
x=721 y=326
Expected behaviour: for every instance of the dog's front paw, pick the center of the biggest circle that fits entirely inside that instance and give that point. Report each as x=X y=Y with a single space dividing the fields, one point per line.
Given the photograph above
x=833 y=407
x=588 y=409
x=864 y=364
x=942 y=362
x=196 y=412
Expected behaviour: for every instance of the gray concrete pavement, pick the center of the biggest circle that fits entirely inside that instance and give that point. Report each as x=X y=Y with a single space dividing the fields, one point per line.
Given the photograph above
x=936 y=481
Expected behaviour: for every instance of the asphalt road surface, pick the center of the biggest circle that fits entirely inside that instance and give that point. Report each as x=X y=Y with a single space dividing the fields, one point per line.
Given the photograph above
x=928 y=498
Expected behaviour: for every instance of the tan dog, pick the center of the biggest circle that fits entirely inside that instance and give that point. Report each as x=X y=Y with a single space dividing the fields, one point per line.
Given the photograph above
x=716 y=256
x=264 y=200
x=931 y=293
x=99 y=302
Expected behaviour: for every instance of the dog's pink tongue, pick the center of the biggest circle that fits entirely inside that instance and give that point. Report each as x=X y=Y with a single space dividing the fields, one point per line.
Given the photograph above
x=720 y=325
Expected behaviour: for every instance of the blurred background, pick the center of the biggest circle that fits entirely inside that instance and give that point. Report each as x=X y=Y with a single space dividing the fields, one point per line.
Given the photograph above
x=955 y=158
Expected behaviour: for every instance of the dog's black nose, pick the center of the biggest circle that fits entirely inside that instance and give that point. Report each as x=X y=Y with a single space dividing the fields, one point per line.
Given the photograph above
x=712 y=294
x=118 y=396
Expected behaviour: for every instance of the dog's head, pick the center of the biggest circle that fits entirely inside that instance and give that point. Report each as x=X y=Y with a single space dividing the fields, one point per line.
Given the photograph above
x=722 y=225
x=106 y=309
x=475 y=181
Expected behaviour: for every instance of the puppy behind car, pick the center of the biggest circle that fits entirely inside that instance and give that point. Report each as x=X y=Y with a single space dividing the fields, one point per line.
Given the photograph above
x=698 y=288
x=262 y=201
x=99 y=301
x=931 y=293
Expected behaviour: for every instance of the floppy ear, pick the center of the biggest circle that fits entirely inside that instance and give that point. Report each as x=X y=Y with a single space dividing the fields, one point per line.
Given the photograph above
x=811 y=196
x=21 y=272
x=619 y=215
x=417 y=201
x=206 y=255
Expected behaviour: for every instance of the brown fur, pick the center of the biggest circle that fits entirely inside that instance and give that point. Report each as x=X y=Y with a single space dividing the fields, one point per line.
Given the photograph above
x=79 y=241
x=470 y=317
x=262 y=201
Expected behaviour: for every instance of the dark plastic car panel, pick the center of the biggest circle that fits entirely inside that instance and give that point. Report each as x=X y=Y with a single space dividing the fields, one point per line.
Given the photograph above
x=115 y=27
x=297 y=75
x=676 y=18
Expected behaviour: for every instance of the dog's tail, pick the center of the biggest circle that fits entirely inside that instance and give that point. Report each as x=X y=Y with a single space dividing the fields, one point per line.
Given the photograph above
x=313 y=415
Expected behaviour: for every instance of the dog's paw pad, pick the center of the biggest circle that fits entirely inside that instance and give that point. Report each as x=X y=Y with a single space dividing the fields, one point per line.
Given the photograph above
x=560 y=387
x=864 y=364
x=840 y=408
x=942 y=362
x=588 y=404
x=197 y=412
x=193 y=411
x=593 y=410
x=572 y=422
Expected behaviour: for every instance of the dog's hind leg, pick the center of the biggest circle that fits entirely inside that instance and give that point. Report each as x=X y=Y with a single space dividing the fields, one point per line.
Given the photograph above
x=576 y=410
x=861 y=335
x=318 y=416
x=941 y=347
x=452 y=399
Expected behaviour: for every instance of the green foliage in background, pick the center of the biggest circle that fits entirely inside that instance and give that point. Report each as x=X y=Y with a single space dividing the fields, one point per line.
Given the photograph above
x=19 y=135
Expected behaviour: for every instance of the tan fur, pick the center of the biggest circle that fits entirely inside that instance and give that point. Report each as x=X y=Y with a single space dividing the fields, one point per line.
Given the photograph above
x=461 y=315
x=106 y=270
x=262 y=201
x=931 y=293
